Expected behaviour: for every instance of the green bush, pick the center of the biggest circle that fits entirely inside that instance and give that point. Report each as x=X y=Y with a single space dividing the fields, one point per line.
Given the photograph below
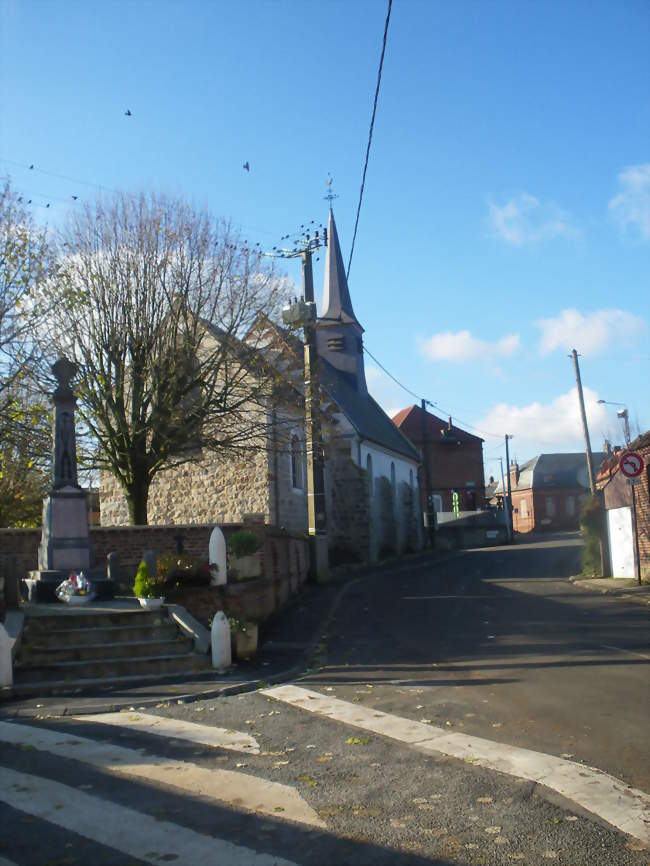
x=182 y=568
x=145 y=586
x=243 y=543
x=591 y=524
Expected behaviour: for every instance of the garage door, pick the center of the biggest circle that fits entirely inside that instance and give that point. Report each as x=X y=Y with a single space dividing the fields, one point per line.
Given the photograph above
x=621 y=542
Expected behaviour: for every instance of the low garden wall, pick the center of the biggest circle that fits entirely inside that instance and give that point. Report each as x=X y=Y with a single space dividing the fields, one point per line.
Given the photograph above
x=284 y=564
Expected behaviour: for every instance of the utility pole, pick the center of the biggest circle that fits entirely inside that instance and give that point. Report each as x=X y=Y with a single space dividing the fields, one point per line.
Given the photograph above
x=429 y=519
x=509 y=503
x=302 y=313
x=583 y=414
x=505 y=502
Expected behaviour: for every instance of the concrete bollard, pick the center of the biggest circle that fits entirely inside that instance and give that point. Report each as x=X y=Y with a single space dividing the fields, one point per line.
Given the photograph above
x=220 y=640
x=217 y=556
x=6 y=663
x=113 y=566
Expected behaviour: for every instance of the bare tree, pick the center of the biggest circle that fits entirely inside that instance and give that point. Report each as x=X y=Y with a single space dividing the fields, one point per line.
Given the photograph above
x=156 y=303
x=25 y=261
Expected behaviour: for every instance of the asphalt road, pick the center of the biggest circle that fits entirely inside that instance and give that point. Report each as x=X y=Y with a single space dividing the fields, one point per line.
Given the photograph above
x=494 y=643
x=499 y=644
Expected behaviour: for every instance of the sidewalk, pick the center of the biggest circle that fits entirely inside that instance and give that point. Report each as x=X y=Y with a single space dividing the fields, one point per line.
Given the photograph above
x=287 y=644
x=620 y=587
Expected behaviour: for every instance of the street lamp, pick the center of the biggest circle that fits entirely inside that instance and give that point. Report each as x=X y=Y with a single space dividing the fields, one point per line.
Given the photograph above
x=622 y=413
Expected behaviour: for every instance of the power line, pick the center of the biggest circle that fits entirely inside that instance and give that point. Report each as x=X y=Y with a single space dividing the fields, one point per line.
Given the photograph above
x=430 y=402
x=372 y=125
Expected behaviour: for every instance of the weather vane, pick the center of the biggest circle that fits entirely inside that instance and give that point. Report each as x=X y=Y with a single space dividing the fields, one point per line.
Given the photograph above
x=330 y=195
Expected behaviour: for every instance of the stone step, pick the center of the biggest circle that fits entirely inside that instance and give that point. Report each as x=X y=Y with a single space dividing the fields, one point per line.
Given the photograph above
x=59 y=638
x=73 y=618
x=32 y=655
x=111 y=669
x=100 y=684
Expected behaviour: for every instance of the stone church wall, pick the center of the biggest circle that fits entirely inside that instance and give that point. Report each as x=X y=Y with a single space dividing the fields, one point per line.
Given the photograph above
x=214 y=490
x=348 y=507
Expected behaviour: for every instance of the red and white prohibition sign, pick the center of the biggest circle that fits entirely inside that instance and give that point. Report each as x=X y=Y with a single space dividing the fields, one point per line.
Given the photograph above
x=631 y=464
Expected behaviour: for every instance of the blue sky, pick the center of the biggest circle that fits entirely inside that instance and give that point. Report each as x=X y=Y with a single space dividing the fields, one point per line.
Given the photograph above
x=506 y=216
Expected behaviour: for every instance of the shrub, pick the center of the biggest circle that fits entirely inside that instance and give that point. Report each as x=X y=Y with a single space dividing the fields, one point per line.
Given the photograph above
x=145 y=586
x=243 y=543
x=181 y=568
x=591 y=524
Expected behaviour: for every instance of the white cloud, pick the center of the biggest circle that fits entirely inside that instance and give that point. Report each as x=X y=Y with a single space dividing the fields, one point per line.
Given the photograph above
x=556 y=425
x=525 y=220
x=590 y=333
x=462 y=346
x=631 y=207
x=387 y=393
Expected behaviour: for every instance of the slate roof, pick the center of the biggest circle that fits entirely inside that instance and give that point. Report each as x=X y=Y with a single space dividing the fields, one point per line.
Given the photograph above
x=337 y=303
x=555 y=471
x=365 y=414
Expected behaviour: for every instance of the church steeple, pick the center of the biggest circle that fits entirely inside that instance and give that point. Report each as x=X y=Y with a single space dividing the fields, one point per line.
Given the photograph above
x=336 y=295
x=338 y=332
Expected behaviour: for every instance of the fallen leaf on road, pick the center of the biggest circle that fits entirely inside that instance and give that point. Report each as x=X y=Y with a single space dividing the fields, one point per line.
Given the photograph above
x=358 y=741
x=484 y=800
x=426 y=721
x=278 y=764
x=420 y=707
x=571 y=818
x=496 y=725
x=550 y=855
x=435 y=832
x=310 y=746
x=308 y=779
x=419 y=800
x=500 y=840
x=494 y=831
x=566 y=755
x=241 y=765
x=324 y=759
x=472 y=846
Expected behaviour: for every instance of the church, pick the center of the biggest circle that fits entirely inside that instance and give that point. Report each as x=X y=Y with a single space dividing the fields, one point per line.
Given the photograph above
x=371 y=469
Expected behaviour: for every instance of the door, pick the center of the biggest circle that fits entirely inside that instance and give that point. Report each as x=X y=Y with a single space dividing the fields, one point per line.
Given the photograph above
x=621 y=542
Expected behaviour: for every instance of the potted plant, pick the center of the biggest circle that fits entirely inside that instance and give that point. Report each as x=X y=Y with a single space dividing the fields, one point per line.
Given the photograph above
x=147 y=589
x=244 y=637
x=244 y=561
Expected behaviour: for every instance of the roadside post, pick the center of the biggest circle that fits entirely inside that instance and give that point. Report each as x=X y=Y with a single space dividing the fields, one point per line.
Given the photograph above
x=631 y=465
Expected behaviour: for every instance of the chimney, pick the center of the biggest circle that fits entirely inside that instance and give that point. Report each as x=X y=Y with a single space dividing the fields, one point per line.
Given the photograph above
x=449 y=424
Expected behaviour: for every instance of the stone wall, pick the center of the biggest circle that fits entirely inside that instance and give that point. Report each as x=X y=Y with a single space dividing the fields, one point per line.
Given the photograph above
x=215 y=490
x=348 y=508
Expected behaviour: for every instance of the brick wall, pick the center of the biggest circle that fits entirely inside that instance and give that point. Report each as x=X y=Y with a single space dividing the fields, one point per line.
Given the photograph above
x=348 y=509
x=618 y=493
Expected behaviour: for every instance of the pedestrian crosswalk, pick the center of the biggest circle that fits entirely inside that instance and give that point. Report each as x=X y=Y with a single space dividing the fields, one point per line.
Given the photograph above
x=159 y=787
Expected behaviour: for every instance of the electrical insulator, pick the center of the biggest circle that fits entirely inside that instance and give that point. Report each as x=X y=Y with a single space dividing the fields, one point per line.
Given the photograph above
x=325 y=237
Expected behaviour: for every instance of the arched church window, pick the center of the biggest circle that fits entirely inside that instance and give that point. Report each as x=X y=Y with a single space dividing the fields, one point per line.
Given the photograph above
x=392 y=477
x=369 y=471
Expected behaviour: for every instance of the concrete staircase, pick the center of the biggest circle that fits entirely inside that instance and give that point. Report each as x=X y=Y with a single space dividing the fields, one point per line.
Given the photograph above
x=80 y=650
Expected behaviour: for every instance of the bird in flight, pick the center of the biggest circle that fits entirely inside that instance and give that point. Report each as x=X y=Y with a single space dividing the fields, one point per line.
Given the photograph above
x=75 y=197
x=246 y=166
x=127 y=113
x=31 y=166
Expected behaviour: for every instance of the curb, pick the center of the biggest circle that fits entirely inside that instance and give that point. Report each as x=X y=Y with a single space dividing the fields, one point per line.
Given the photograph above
x=112 y=706
x=625 y=593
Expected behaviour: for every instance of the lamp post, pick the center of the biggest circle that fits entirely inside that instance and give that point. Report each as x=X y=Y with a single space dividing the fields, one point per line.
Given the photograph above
x=622 y=413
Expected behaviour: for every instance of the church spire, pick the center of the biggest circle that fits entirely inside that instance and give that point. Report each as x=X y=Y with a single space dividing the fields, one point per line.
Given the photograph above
x=336 y=295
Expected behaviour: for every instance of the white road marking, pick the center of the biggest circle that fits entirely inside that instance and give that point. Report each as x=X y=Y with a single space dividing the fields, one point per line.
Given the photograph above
x=133 y=833
x=624 y=807
x=162 y=726
x=240 y=790
x=619 y=649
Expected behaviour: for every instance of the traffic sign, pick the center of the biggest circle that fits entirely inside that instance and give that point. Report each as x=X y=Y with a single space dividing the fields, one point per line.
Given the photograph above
x=631 y=464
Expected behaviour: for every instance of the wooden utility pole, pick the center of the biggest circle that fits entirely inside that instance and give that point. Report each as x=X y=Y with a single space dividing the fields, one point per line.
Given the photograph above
x=509 y=502
x=302 y=314
x=583 y=414
x=429 y=519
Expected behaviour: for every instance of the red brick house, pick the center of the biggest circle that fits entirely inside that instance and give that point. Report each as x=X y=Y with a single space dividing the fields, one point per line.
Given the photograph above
x=617 y=497
x=454 y=459
x=548 y=490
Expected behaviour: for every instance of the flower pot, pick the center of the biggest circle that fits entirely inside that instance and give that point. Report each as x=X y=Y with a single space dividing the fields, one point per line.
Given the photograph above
x=245 y=567
x=246 y=642
x=152 y=603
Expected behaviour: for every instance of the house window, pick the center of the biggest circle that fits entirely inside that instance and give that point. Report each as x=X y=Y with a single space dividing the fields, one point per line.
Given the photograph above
x=570 y=506
x=524 y=508
x=297 y=474
x=369 y=471
x=550 y=506
x=437 y=503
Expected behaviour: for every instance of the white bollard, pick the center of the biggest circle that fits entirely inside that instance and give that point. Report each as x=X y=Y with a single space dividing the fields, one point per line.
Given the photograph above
x=217 y=556
x=6 y=664
x=220 y=637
